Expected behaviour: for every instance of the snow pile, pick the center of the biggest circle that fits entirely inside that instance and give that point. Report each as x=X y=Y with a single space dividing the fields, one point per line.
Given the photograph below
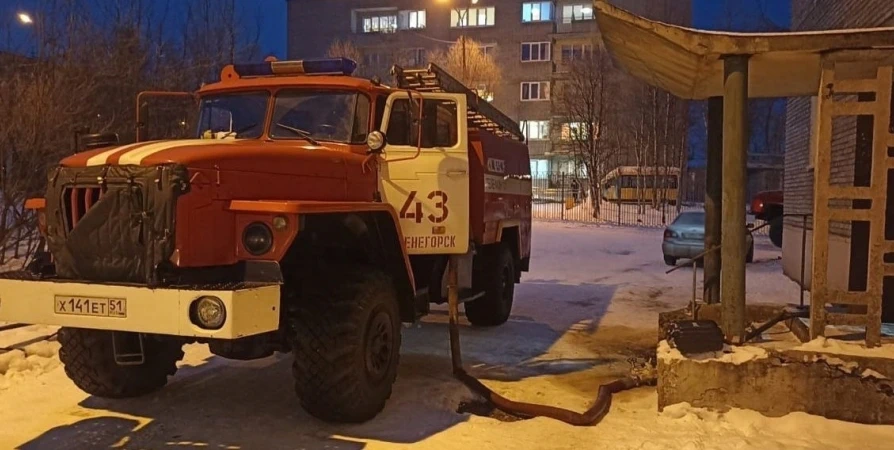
x=28 y=362
x=822 y=344
x=729 y=355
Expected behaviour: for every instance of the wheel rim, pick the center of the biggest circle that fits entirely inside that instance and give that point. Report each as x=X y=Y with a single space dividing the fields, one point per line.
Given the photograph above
x=379 y=345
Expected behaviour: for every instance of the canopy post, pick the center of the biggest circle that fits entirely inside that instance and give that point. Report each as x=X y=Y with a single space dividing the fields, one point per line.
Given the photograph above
x=735 y=146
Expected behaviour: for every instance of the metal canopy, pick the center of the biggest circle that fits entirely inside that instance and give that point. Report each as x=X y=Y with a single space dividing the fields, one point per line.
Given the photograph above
x=689 y=63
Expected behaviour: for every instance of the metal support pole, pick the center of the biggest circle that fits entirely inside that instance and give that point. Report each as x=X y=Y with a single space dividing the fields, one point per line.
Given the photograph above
x=453 y=310
x=735 y=146
x=713 y=199
x=562 y=190
x=803 y=256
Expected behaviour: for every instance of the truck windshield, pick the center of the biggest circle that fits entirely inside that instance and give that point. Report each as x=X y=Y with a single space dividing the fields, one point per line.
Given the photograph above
x=335 y=116
x=239 y=115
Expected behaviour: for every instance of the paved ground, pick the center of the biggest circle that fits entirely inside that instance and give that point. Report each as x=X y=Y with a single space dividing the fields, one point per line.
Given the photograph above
x=589 y=304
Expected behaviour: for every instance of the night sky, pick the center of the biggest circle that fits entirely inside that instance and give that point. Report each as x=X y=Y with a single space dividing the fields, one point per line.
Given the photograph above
x=271 y=13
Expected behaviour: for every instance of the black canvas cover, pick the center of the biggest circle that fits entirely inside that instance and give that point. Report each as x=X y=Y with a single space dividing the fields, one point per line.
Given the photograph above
x=113 y=223
x=695 y=336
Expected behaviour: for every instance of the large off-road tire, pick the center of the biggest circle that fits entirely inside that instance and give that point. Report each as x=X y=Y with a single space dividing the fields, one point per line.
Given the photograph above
x=89 y=362
x=776 y=231
x=346 y=345
x=495 y=275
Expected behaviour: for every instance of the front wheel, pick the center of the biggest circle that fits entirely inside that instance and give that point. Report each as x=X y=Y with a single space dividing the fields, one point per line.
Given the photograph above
x=495 y=275
x=346 y=345
x=89 y=359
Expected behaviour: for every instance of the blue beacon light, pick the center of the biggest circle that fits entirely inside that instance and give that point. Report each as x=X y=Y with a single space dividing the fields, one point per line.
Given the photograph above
x=321 y=66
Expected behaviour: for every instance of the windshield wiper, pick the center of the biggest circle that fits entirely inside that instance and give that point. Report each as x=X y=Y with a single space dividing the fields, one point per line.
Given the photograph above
x=236 y=133
x=301 y=133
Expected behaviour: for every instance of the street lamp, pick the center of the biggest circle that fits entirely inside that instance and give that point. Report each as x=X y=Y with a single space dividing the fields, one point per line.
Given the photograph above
x=25 y=18
x=460 y=15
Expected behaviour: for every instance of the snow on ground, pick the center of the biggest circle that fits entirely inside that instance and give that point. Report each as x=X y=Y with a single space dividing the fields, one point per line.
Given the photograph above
x=589 y=304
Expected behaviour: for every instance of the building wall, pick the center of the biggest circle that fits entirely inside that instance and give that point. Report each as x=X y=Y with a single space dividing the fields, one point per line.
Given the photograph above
x=809 y=15
x=313 y=25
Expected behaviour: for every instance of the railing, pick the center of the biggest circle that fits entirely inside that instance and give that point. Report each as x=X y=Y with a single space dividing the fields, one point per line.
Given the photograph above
x=556 y=196
x=695 y=260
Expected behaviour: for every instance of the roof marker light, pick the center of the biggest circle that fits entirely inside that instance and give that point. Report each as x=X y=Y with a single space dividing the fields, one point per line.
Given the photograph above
x=320 y=66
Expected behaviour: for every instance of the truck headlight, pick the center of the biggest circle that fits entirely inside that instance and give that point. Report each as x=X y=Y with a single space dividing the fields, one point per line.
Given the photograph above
x=257 y=239
x=208 y=312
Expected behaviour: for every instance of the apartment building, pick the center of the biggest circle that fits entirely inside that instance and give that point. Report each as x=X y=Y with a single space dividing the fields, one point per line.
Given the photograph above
x=531 y=41
x=849 y=157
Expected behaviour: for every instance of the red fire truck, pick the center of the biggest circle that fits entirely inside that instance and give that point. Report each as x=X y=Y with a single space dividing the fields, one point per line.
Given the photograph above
x=312 y=213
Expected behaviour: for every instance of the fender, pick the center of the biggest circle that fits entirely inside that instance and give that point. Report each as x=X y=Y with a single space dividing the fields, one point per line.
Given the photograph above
x=381 y=215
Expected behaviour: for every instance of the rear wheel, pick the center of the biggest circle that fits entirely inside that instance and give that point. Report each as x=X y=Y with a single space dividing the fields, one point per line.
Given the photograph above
x=89 y=359
x=495 y=275
x=670 y=260
x=346 y=345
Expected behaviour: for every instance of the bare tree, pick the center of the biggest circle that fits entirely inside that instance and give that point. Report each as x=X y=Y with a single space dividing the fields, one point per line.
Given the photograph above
x=476 y=69
x=585 y=101
x=345 y=49
x=91 y=58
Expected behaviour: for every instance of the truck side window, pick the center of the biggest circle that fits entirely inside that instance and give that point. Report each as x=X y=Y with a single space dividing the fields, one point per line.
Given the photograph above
x=439 y=123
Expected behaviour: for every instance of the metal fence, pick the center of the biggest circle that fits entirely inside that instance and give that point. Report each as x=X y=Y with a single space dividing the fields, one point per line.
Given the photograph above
x=559 y=196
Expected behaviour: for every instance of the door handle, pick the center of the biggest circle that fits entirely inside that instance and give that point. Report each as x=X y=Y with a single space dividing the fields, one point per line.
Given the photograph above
x=456 y=173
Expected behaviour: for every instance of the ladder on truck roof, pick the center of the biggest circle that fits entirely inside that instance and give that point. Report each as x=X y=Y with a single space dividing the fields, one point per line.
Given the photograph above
x=481 y=114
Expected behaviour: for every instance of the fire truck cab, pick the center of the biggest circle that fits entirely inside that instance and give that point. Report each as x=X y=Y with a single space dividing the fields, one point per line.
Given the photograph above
x=312 y=213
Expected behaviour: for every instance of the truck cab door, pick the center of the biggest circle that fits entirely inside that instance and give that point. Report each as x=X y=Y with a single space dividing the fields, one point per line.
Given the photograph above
x=424 y=170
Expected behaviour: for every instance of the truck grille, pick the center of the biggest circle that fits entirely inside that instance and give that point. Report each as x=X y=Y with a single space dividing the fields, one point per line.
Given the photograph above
x=77 y=201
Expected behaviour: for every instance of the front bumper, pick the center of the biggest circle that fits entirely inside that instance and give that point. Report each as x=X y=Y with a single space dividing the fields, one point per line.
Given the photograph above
x=250 y=308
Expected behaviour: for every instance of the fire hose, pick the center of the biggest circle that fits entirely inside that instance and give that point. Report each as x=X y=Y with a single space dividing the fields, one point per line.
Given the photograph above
x=591 y=417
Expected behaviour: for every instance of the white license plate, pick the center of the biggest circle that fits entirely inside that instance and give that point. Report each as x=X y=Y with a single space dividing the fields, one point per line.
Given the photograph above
x=90 y=306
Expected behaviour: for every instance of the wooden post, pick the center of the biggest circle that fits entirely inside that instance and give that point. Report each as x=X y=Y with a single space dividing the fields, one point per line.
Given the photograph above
x=713 y=199
x=735 y=146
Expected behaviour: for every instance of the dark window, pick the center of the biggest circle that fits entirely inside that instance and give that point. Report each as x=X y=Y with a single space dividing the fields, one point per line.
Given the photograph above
x=439 y=123
x=233 y=115
x=324 y=115
x=691 y=218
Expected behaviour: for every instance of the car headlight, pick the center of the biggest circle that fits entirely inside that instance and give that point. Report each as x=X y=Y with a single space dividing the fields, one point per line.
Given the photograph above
x=257 y=238
x=208 y=312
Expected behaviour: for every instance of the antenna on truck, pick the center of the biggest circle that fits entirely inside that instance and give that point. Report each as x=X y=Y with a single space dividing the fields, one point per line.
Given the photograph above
x=481 y=113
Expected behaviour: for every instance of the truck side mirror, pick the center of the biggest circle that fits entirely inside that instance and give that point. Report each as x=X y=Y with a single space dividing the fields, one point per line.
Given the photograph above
x=376 y=141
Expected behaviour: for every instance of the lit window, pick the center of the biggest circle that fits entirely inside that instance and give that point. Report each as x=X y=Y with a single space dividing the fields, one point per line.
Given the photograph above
x=574 y=130
x=576 y=51
x=535 y=51
x=483 y=92
x=412 y=20
x=582 y=11
x=535 y=129
x=472 y=17
x=380 y=24
x=537 y=11
x=534 y=90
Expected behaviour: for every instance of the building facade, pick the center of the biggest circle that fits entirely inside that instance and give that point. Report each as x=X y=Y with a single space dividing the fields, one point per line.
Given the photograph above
x=849 y=157
x=531 y=41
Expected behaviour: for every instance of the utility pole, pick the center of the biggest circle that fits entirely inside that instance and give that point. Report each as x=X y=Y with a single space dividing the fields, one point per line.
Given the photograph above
x=463 y=13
